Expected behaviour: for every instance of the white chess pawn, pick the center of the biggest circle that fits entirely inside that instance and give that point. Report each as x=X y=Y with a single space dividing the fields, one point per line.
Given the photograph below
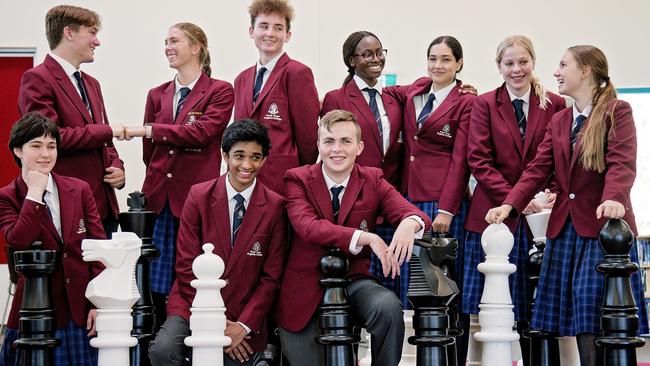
x=208 y=319
x=496 y=317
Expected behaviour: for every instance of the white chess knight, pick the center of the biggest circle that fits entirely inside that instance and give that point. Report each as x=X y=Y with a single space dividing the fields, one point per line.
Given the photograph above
x=538 y=222
x=111 y=288
x=113 y=292
x=208 y=319
x=496 y=317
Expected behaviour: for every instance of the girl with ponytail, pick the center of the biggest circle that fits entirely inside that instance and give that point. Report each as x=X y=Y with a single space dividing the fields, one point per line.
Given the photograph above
x=184 y=121
x=506 y=126
x=591 y=147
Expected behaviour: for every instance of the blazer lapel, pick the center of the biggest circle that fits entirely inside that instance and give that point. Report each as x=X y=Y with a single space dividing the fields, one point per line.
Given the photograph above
x=256 y=210
x=507 y=113
x=443 y=108
x=71 y=219
x=222 y=219
x=363 y=111
x=70 y=90
x=21 y=189
x=393 y=118
x=532 y=121
x=318 y=192
x=412 y=117
x=351 y=193
x=93 y=99
x=270 y=82
x=195 y=96
x=567 y=130
x=167 y=102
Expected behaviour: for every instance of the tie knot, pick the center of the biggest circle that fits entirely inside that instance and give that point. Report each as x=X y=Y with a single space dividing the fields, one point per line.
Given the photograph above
x=431 y=98
x=372 y=92
x=580 y=120
x=239 y=198
x=518 y=104
x=261 y=71
x=184 y=91
x=77 y=75
x=336 y=191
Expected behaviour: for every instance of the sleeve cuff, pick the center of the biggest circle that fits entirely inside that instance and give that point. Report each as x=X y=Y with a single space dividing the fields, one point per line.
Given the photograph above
x=420 y=233
x=354 y=249
x=148 y=130
x=444 y=212
x=35 y=200
x=247 y=329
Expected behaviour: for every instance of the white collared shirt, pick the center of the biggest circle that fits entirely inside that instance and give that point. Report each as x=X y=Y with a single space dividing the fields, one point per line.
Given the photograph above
x=231 y=192
x=385 y=122
x=420 y=100
x=576 y=113
x=52 y=202
x=177 y=92
x=525 y=98
x=70 y=70
x=269 y=68
x=353 y=248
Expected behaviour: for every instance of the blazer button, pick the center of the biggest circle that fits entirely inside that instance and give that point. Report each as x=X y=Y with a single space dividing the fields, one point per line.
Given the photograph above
x=572 y=196
x=169 y=175
x=67 y=280
x=415 y=138
x=164 y=138
x=65 y=255
x=171 y=152
x=412 y=158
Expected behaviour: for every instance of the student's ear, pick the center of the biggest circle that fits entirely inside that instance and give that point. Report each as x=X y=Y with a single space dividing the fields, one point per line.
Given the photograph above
x=67 y=33
x=263 y=161
x=250 y=31
x=18 y=152
x=586 y=71
x=288 y=37
x=224 y=156
x=360 y=148
x=460 y=66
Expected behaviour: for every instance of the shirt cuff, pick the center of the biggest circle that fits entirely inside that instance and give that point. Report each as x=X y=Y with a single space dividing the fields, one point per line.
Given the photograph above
x=247 y=329
x=148 y=131
x=354 y=249
x=419 y=234
x=446 y=212
x=35 y=200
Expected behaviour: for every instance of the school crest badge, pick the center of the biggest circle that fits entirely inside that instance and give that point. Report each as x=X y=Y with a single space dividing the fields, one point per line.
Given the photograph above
x=445 y=131
x=364 y=226
x=82 y=227
x=256 y=250
x=273 y=113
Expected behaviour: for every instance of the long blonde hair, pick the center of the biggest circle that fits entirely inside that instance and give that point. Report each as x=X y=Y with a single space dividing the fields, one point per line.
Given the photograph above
x=196 y=36
x=592 y=149
x=527 y=44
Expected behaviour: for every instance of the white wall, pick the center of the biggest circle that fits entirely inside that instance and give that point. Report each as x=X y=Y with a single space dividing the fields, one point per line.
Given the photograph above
x=130 y=60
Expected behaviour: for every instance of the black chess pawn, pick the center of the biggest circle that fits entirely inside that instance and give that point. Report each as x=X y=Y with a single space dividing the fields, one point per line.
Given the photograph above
x=36 y=342
x=619 y=321
x=141 y=222
x=335 y=319
x=430 y=292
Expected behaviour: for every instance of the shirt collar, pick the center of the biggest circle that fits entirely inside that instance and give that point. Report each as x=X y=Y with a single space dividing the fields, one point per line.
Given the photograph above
x=67 y=67
x=585 y=113
x=442 y=93
x=246 y=193
x=269 y=65
x=178 y=85
x=51 y=186
x=362 y=84
x=330 y=183
x=525 y=97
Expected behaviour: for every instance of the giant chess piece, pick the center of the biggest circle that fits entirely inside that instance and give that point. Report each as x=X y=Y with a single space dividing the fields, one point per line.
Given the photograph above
x=430 y=292
x=619 y=321
x=496 y=317
x=208 y=319
x=140 y=221
x=545 y=345
x=336 y=312
x=113 y=292
x=36 y=343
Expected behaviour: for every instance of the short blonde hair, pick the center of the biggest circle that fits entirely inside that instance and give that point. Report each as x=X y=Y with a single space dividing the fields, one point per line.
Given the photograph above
x=281 y=7
x=337 y=116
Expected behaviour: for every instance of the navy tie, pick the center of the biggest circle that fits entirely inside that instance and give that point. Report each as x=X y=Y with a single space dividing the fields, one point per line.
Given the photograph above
x=372 y=93
x=336 y=204
x=426 y=110
x=258 y=83
x=521 y=117
x=82 y=89
x=185 y=91
x=237 y=216
x=580 y=120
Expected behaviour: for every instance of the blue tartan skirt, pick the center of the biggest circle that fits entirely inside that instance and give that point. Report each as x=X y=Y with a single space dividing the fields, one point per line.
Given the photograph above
x=74 y=350
x=164 y=238
x=473 y=279
x=570 y=290
x=399 y=285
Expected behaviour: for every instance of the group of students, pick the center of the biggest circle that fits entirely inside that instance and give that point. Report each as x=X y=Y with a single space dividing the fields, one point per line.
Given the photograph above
x=393 y=162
